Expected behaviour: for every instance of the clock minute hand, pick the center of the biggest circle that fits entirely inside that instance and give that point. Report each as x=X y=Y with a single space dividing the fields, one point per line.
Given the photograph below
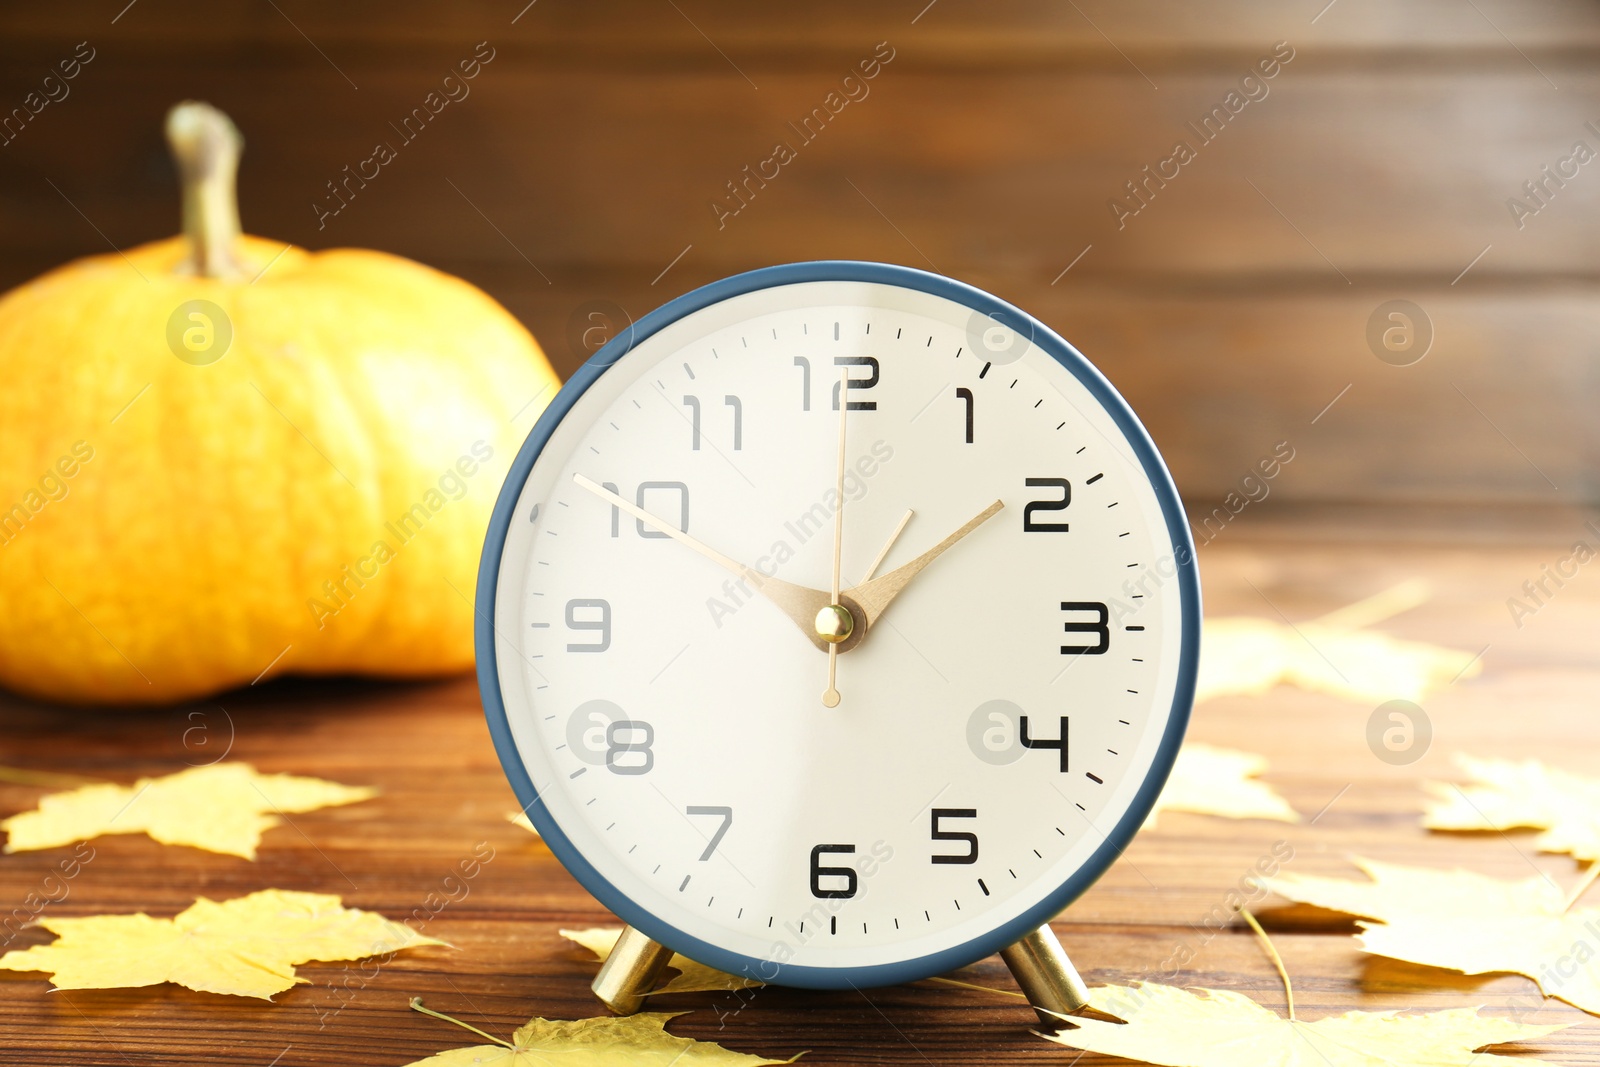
x=874 y=597
x=799 y=603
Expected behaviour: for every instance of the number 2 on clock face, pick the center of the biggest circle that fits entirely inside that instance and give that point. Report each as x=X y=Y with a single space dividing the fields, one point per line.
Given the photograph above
x=1012 y=639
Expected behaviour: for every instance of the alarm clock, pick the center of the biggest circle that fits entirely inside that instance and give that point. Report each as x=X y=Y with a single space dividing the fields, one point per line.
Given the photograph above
x=837 y=627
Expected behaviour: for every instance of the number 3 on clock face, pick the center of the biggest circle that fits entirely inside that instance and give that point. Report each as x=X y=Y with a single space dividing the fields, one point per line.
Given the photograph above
x=837 y=624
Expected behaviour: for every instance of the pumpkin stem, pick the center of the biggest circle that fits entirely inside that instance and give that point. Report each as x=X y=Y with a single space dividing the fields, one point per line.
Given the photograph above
x=206 y=145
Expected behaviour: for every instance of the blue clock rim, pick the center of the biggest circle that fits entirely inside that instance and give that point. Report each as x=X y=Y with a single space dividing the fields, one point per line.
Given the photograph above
x=901 y=971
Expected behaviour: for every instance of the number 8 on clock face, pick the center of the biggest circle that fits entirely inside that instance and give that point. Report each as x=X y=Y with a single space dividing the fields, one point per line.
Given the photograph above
x=838 y=625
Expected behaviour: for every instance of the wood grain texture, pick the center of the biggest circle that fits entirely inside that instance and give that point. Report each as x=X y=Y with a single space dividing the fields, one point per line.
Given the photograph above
x=587 y=158
x=426 y=747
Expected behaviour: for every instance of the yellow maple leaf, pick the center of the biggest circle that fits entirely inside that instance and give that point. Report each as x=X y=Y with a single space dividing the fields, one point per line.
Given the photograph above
x=1468 y=922
x=246 y=947
x=692 y=977
x=1207 y=780
x=1162 y=1024
x=633 y=1040
x=1506 y=795
x=224 y=807
x=1218 y=1028
x=1334 y=654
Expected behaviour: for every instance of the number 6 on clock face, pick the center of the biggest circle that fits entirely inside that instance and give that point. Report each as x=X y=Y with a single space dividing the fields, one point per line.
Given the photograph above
x=837 y=625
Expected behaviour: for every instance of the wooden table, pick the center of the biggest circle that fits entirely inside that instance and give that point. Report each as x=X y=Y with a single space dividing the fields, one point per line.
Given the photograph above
x=426 y=747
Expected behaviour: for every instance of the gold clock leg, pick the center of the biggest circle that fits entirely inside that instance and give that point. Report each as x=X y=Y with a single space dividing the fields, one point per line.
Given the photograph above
x=1046 y=976
x=631 y=971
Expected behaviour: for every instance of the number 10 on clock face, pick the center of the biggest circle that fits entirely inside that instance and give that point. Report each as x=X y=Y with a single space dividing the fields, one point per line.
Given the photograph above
x=838 y=624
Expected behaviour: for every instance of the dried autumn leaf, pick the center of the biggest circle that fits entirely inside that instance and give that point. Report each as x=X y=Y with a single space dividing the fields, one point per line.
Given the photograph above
x=1217 y=1028
x=1334 y=654
x=245 y=947
x=1505 y=795
x=1207 y=780
x=692 y=977
x=221 y=808
x=1468 y=922
x=633 y=1041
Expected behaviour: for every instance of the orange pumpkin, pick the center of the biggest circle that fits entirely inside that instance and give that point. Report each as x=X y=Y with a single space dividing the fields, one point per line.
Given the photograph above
x=226 y=458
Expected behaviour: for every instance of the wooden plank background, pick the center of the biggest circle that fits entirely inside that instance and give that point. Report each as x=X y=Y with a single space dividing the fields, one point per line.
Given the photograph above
x=1231 y=310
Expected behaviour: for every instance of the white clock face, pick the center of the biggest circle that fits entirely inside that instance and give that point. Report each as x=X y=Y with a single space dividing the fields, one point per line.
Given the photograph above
x=672 y=718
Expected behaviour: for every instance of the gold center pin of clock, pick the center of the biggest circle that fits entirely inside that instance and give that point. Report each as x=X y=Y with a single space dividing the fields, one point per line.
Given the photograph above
x=835 y=623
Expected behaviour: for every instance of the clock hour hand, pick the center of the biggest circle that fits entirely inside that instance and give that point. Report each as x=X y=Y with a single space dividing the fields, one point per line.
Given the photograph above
x=876 y=595
x=796 y=601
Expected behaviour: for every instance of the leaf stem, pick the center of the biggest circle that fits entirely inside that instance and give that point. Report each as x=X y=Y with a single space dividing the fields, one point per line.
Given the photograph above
x=1583 y=885
x=416 y=1005
x=1277 y=960
x=45 y=779
x=1377 y=608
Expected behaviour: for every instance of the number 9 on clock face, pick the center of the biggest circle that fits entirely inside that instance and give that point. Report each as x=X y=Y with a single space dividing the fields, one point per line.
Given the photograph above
x=838 y=624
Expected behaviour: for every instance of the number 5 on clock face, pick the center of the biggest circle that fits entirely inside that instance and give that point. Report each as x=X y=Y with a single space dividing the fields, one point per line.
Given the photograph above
x=838 y=625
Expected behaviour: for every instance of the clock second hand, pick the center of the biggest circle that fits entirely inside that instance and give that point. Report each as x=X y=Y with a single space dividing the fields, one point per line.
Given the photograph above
x=835 y=622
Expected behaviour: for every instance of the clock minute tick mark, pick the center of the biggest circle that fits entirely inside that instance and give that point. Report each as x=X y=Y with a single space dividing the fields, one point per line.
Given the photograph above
x=683 y=883
x=1096 y=779
x=1096 y=478
x=985 y=370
